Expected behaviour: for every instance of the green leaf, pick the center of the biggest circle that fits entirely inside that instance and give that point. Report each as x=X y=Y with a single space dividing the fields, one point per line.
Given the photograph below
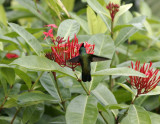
x=117 y=106
x=69 y=4
x=122 y=10
x=100 y=93
x=104 y=46
x=30 y=98
x=9 y=75
x=12 y=102
x=16 y=15
x=82 y=110
x=81 y=21
x=96 y=25
x=29 y=38
x=68 y=28
x=3 y=17
x=49 y=85
x=9 y=40
x=4 y=84
x=41 y=64
x=96 y=6
x=43 y=14
x=138 y=115
x=119 y=71
x=127 y=88
x=108 y=115
x=53 y=5
x=33 y=113
x=92 y=20
x=24 y=77
x=145 y=9
x=155 y=91
x=1 y=46
x=127 y=32
x=155 y=118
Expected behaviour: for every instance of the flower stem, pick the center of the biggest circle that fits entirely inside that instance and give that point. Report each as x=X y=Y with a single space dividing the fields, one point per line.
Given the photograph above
x=3 y=103
x=110 y=77
x=80 y=81
x=134 y=99
x=59 y=93
x=36 y=81
x=119 y=119
x=14 y=117
x=100 y=112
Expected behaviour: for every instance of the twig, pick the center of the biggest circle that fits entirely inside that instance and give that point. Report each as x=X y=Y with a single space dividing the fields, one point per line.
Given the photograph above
x=36 y=81
x=60 y=95
x=80 y=81
x=14 y=117
x=100 y=112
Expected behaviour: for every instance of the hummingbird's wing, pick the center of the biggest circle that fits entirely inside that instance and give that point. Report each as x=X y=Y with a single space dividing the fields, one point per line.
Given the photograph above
x=74 y=60
x=95 y=58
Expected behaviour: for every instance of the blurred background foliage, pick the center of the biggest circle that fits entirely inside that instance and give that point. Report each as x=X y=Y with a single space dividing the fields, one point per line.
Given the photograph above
x=33 y=15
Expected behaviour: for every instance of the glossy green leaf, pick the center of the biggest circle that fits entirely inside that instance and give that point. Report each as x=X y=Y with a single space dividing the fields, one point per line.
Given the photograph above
x=100 y=93
x=127 y=32
x=145 y=9
x=138 y=115
x=117 y=106
x=68 y=28
x=3 y=17
x=92 y=20
x=127 y=88
x=9 y=75
x=43 y=14
x=155 y=91
x=96 y=6
x=122 y=10
x=29 y=38
x=53 y=5
x=108 y=115
x=155 y=118
x=34 y=97
x=104 y=46
x=69 y=4
x=96 y=25
x=33 y=113
x=12 y=102
x=24 y=77
x=119 y=71
x=81 y=21
x=15 y=15
x=9 y=40
x=41 y=64
x=49 y=85
x=82 y=110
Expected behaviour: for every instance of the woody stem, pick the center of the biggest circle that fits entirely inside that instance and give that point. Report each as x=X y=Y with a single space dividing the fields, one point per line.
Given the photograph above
x=110 y=77
x=80 y=81
x=59 y=93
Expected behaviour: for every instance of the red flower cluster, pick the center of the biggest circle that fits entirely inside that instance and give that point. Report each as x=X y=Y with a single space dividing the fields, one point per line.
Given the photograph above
x=144 y=85
x=63 y=51
x=113 y=9
x=50 y=32
x=11 y=55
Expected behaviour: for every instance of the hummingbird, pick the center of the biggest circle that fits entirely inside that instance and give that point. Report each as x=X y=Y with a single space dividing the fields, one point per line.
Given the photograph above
x=85 y=60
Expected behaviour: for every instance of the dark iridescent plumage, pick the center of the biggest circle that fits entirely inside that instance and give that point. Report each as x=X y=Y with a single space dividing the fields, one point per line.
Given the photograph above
x=85 y=61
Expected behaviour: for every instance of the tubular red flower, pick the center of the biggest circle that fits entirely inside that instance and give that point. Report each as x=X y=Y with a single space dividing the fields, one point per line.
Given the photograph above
x=144 y=85
x=62 y=52
x=11 y=55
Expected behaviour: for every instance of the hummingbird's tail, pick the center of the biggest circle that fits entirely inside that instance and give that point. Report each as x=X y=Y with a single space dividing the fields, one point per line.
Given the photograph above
x=86 y=77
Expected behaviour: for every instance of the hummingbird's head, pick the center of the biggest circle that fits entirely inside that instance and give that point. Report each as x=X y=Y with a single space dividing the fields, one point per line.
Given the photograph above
x=82 y=48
